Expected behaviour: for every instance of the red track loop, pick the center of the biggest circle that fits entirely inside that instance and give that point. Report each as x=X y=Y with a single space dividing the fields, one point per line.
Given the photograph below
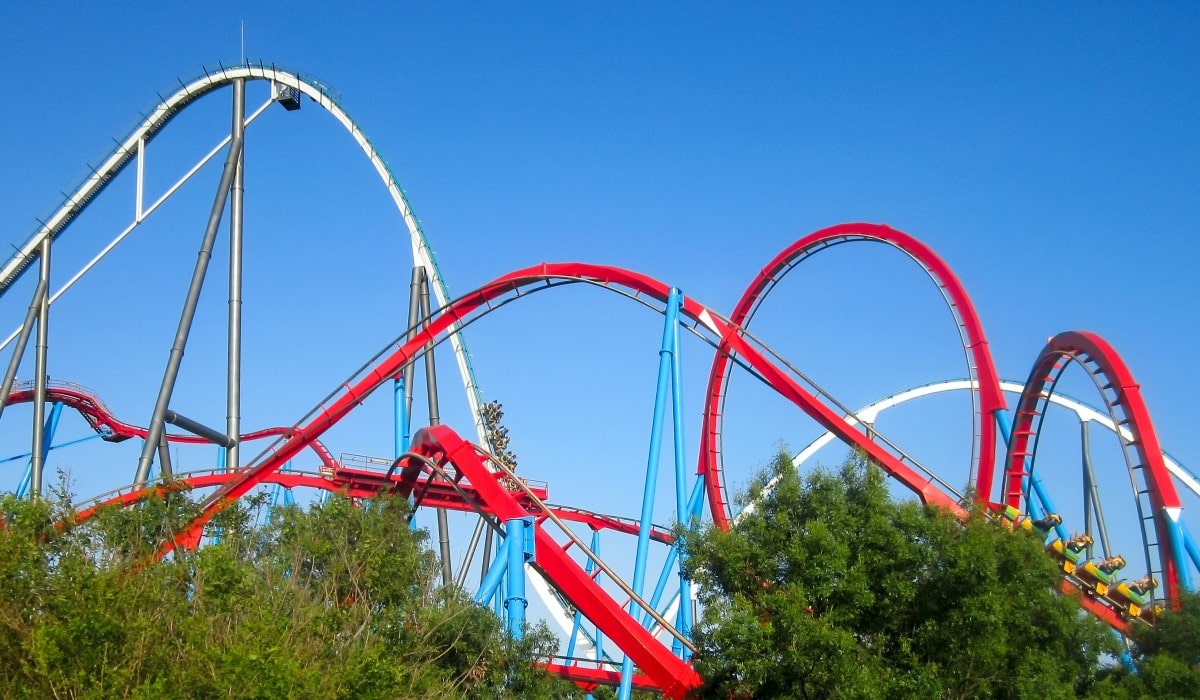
x=1123 y=397
x=990 y=397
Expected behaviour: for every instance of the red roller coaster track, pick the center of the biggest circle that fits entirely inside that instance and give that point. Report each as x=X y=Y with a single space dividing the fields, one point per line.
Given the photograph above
x=1123 y=397
x=983 y=368
x=445 y=471
x=485 y=489
x=111 y=429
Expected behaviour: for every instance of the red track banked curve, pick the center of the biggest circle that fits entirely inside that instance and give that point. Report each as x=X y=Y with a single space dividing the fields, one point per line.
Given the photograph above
x=478 y=301
x=990 y=397
x=726 y=334
x=111 y=429
x=352 y=487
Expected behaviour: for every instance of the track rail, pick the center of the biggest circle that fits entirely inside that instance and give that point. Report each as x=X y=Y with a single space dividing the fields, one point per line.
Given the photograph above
x=1158 y=504
x=112 y=429
x=283 y=82
x=980 y=366
x=511 y=286
x=475 y=485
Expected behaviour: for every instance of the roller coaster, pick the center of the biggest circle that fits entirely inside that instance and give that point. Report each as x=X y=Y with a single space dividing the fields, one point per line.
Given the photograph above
x=470 y=484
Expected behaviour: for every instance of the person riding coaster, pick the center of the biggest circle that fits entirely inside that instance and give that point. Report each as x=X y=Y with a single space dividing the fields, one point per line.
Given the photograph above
x=1134 y=596
x=1070 y=553
x=1101 y=575
x=1011 y=519
x=1043 y=525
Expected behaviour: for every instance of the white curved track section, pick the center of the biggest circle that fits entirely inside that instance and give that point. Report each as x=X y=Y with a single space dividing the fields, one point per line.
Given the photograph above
x=166 y=110
x=869 y=413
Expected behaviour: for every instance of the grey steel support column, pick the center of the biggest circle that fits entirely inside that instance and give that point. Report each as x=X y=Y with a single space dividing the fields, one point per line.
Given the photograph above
x=434 y=418
x=40 y=376
x=1091 y=494
x=488 y=545
x=430 y=366
x=164 y=457
x=416 y=282
x=469 y=557
x=233 y=413
x=155 y=431
x=1087 y=483
x=10 y=375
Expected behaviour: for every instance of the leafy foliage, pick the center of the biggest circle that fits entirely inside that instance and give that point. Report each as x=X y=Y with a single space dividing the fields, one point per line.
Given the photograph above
x=1166 y=658
x=336 y=601
x=828 y=587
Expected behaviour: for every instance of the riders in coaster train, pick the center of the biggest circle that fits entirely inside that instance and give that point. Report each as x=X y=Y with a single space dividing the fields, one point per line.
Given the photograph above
x=1071 y=553
x=1011 y=519
x=1101 y=575
x=1135 y=596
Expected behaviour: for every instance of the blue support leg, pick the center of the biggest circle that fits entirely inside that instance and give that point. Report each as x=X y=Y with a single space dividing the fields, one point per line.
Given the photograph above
x=681 y=500
x=520 y=551
x=1031 y=483
x=1175 y=533
x=577 y=622
x=1189 y=546
x=48 y=430
x=400 y=410
x=660 y=400
x=495 y=574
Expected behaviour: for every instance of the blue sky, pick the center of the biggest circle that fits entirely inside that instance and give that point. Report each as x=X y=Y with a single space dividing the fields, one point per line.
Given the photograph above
x=1051 y=154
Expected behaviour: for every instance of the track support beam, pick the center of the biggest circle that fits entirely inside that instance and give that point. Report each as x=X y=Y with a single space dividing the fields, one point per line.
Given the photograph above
x=233 y=419
x=519 y=540
x=175 y=359
x=40 y=375
x=10 y=375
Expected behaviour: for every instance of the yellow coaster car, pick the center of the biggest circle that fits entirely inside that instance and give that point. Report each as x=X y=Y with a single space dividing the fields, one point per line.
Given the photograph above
x=1134 y=596
x=1101 y=575
x=1070 y=553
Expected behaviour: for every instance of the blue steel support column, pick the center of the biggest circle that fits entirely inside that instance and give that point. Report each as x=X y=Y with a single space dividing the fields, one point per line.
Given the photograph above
x=400 y=410
x=281 y=493
x=1189 y=545
x=1032 y=482
x=519 y=539
x=660 y=399
x=577 y=622
x=48 y=431
x=591 y=565
x=661 y=586
x=685 y=586
x=696 y=500
x=495 y=574
x=1175 y=533
x=694 y=503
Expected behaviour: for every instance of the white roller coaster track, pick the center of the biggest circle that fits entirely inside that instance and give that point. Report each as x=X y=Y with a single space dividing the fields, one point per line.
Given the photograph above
x=131 y=148
x=869 y=413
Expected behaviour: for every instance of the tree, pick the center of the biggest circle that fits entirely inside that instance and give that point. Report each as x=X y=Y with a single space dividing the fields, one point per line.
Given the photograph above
x=336 y=601
x=1165 y=658
x=828 y=587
